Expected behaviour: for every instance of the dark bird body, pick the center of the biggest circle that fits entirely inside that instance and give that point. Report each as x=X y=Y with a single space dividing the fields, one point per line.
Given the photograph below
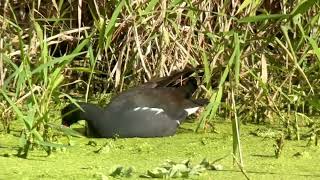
x=145 y=111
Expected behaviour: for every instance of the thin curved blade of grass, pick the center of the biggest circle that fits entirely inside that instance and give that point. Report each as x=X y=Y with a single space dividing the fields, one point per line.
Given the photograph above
x=48 y=144
x=139 y=49
x=93 y=61
x=53 y=19
x=292 y=54
x=7 y=20
x=303 y=7
x=175 y=3
x=244 y=4
x=110 y=27
x=44 y=53
x=102 y=31
x=192 y=14
x=87 y=70
x=215 y=100
x=206 y=113
x=150 y=7
x=79 y=15
x=13 y=74
x=216 y=103
x=314 y=101
x=26 y=120
x=303 y=36
x=83 y=44
x=55 y=80
x=12 y=104
x=24 y=68
x=64 y=60
x=30 y=116
x=73 y=101
x=263 y=18
x=315 y=47
x=235 y=121
x=237 y=54
x=65 y=130
x=207 y=71
x=236 y=131
x=21 y=78
x=300 y=9
x=210 y=109
x=39 y=32
x=227 y=69
x=37 y=135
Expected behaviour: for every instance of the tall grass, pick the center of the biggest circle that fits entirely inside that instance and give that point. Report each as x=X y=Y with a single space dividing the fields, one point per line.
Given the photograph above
x=260 y=58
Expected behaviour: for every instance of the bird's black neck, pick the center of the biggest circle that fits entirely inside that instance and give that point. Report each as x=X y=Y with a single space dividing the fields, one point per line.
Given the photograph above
x=88 y=112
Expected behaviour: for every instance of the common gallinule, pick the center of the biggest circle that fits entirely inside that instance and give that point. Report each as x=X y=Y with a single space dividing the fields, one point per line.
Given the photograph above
x=150 y=110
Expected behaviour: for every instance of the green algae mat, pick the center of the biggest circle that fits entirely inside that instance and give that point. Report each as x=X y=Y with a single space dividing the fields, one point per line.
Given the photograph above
x=132 y=158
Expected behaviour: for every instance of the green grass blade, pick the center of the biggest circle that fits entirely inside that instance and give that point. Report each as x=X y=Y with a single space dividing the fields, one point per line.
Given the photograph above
x=63 y=60
x=236 y=56
x=303 y=7
x=207 y=71
x=315 y=48
x=150 y=7
x=263 y=18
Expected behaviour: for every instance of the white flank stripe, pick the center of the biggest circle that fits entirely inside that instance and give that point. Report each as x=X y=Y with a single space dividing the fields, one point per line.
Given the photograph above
x=157 y=110
x=191 y=110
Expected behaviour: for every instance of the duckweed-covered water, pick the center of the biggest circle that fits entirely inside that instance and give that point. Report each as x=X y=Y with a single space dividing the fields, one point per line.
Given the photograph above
x=83 y=160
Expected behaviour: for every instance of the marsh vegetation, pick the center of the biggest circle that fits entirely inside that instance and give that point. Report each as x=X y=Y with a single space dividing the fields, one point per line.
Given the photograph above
x=260 y=63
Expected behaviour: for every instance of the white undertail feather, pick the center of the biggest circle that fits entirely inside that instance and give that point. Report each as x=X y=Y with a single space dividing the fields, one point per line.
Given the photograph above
x=191 y=110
